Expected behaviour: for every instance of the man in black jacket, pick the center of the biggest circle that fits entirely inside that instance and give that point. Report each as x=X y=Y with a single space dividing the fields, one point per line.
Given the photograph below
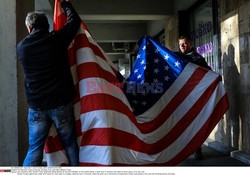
x=188 y=53
x=48 y=83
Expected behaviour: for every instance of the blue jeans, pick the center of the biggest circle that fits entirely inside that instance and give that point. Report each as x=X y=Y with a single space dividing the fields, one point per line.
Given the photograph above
x=39 y=125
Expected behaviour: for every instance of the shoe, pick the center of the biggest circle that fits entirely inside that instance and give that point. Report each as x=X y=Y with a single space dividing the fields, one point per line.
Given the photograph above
x=198 y=155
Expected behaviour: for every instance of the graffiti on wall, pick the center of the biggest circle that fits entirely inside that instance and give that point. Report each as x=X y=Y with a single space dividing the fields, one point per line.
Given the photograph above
x=202 y=30
x=205 y=48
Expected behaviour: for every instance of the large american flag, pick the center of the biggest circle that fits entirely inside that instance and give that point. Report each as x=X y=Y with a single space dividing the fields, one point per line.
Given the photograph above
x=159 y=115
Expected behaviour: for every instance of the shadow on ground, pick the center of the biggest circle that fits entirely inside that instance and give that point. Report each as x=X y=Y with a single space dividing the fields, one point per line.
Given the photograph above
x=212 y=158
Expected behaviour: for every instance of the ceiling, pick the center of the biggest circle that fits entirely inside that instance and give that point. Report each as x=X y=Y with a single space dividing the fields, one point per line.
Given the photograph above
x=118 y=24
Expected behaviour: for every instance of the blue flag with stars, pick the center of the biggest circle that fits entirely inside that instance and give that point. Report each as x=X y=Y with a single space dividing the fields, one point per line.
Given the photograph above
x=154 y=70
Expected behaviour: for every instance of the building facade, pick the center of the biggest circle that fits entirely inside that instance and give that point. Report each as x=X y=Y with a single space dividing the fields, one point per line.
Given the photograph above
x=221 y=33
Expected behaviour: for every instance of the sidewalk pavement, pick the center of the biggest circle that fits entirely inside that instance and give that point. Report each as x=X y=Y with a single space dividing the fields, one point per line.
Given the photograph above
x=212 y=157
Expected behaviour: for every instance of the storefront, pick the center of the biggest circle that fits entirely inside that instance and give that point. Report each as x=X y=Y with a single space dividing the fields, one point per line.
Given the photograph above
x=201 y=22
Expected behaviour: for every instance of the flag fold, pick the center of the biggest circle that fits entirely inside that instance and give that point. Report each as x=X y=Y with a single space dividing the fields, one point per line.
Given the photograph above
x=159 y=115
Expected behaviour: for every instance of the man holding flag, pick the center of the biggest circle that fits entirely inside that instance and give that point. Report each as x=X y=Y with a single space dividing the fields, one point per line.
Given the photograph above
x=128 y=128
x=48 y=83
x=188 y=53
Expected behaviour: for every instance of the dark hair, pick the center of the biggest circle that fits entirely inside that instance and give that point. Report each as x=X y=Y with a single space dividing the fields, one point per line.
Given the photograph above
x=37 y=20
x=187 y=37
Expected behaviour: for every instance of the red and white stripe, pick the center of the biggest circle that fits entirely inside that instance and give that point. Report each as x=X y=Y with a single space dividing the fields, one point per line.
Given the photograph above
x=110 y=134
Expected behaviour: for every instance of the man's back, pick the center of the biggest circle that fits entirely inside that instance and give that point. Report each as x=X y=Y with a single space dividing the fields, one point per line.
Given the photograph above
x=43 y=54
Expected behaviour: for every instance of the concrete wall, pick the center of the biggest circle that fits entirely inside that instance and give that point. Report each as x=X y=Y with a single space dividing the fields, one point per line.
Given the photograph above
x=13 y=108
x=172 y=33
x=233 y=130
x=22 y=8
x=8 y=88
x=244 y=52
x=227 y=131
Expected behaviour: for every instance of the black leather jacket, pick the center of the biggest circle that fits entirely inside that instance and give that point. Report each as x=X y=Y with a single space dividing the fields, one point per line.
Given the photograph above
x=44 y=57
x=195 y=58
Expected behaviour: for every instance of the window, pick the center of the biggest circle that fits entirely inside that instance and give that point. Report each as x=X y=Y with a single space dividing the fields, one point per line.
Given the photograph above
x=203 y=27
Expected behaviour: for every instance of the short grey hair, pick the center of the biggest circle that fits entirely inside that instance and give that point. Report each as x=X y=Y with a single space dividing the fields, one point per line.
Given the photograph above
x=37 y=20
